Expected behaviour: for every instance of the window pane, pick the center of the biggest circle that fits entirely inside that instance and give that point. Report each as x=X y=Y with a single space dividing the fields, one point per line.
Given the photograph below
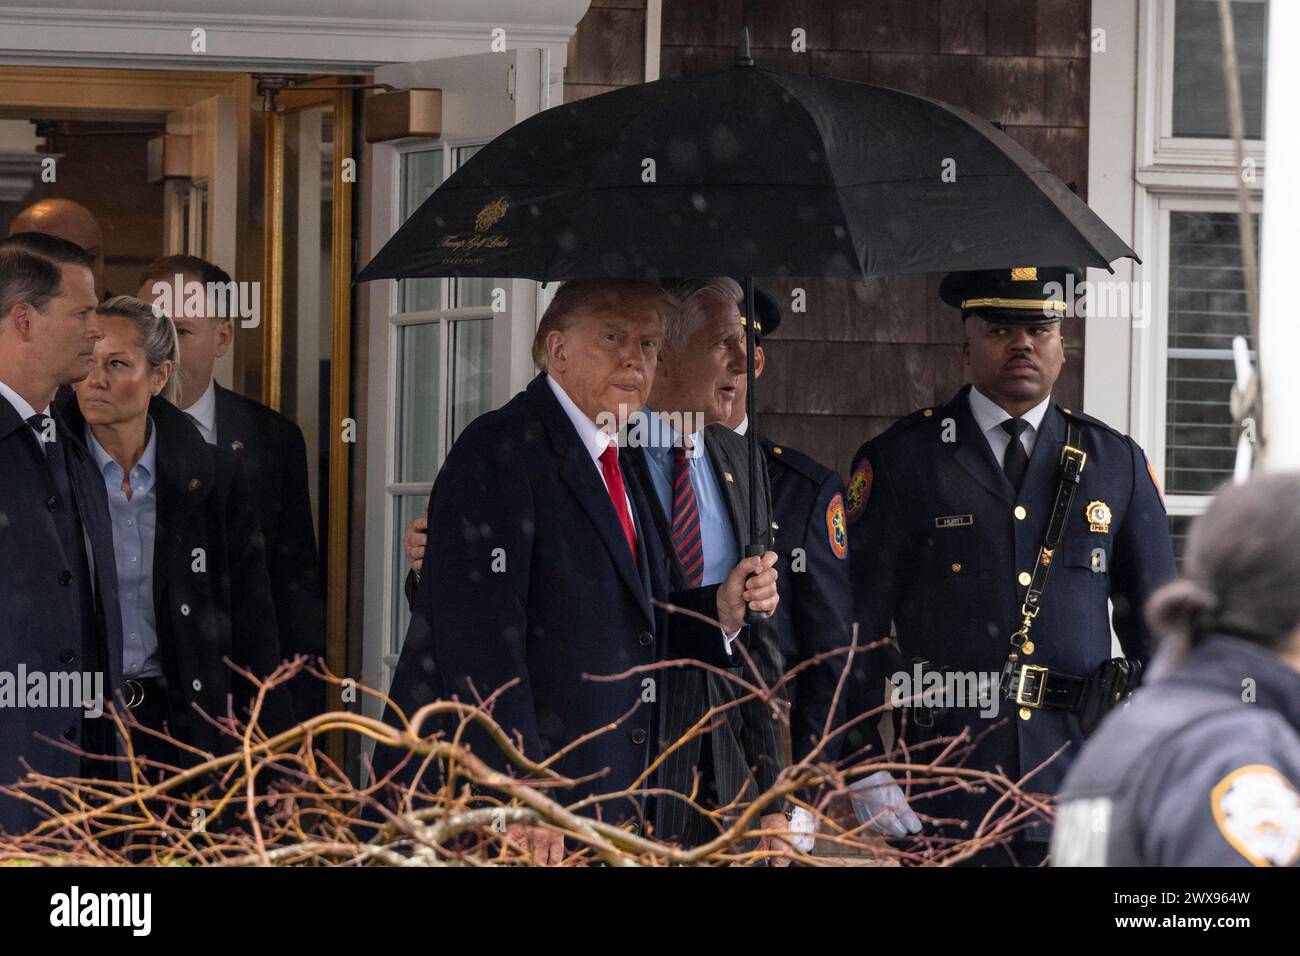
x=472 y=372
x=421 y=174
x=1200 y=102
x=474 y=292
x=405 y=509
x=1207 y=307
x=418 y=392
x=1179 y=526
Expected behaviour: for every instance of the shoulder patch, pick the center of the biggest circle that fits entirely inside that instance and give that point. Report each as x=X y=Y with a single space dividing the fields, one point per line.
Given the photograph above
x=1258 y=812
x=1151 y=470
x=837 y=529
x=859 y=489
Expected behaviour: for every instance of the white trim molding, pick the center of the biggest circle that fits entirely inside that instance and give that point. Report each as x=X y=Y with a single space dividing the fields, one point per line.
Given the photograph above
x=1112 y=123
x=1279 y=333
x=279 y=35
x=1137 y=173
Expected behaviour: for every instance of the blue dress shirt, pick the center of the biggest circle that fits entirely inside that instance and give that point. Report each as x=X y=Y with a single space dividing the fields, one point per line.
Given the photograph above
x=717 y=536
x=135 y=523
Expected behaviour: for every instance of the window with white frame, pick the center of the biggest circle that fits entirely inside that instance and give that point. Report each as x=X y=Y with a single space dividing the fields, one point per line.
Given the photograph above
x=1187 y=175
x=440 y=340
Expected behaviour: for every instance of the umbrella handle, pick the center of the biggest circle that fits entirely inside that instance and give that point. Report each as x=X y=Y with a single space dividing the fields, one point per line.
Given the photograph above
x=752 y=616
x=758 y=547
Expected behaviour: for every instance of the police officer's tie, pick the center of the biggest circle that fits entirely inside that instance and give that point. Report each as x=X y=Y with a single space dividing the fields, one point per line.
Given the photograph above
x=688 y=542
x=1016 y=461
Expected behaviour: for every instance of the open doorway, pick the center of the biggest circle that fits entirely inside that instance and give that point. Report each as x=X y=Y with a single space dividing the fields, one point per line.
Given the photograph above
x=174 y=162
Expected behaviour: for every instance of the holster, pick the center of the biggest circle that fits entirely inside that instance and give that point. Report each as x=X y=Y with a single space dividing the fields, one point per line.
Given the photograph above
x=1108 y=686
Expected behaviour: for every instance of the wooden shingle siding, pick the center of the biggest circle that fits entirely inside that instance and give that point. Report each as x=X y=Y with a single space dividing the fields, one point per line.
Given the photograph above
x=863 y=355
x=607 y=50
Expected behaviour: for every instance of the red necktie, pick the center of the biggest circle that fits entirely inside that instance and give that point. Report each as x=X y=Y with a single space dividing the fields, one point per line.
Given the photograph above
x=617 y=494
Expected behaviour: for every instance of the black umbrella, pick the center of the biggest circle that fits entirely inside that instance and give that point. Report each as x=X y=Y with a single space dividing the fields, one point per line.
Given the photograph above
x=746 y=171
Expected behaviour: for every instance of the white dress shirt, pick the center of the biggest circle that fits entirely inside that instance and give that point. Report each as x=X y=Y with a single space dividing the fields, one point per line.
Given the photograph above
x=989 y=415
x=24 y=410
x=204 y=413
x=592 y=438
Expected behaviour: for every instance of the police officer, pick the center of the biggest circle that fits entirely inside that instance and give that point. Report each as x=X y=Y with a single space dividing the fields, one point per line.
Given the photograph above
x=815 y=615
x=1000 y=614
x=1203 y=768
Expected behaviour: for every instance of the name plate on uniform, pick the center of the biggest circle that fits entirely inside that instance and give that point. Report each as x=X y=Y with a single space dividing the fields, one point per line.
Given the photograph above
x=954 y=521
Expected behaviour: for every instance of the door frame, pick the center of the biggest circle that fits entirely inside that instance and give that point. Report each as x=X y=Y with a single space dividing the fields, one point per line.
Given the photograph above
x=512 y=330
x=274 y=36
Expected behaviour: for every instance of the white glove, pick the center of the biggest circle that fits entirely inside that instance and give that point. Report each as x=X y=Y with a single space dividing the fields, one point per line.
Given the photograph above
x=803 y=825
x=881 y=804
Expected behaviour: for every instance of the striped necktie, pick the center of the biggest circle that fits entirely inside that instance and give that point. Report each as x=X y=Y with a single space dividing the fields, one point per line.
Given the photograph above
x=687 y=539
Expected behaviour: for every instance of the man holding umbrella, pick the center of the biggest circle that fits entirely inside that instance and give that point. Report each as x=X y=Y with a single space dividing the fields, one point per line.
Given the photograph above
x=696 y=472
x=957 y=515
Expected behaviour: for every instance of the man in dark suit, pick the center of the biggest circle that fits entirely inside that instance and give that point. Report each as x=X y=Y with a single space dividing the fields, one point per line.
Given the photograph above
x=272 y=451
x=949 y=529
x=816 y=612
x=543 y=568
x=698 y=472
x=59 y=601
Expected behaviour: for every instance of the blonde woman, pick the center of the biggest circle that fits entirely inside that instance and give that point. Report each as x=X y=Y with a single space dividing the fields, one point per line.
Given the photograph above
x=191 y=569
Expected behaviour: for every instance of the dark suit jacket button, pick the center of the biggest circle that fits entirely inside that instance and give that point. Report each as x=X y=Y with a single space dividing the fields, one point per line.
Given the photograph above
x=65 y=577
x=70 y=733
x=68 y=657
x=51 y=501
x=645 y=638
x=638 y=736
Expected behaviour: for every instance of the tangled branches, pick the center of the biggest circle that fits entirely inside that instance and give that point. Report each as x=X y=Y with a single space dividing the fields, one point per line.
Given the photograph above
x=279 y=800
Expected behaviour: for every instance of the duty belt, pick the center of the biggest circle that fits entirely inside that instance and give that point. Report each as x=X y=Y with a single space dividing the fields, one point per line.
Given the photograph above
x=1042 y=687
x=1031 y=685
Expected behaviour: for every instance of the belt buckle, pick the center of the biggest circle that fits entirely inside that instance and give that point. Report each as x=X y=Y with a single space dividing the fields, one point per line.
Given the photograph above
x=137 y=693
x=1033 y=696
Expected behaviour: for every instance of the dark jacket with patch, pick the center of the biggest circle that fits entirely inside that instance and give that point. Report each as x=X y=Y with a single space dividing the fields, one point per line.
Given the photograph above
x=815 y=615
x=938 y=550
x=1202 y=768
